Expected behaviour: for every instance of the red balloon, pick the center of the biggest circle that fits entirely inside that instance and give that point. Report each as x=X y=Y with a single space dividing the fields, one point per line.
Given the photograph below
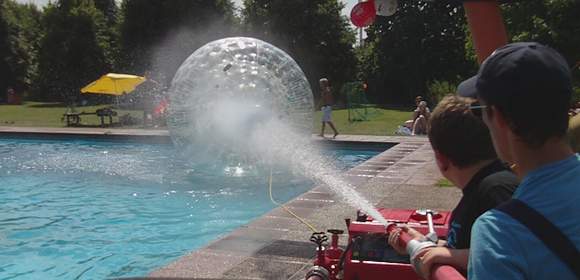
x=363 y=14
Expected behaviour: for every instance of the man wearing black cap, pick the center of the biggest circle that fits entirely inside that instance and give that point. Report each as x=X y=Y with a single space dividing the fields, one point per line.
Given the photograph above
x=524 y=91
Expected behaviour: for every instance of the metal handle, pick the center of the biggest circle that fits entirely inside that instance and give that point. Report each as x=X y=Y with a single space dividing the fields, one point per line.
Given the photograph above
x=432 y=235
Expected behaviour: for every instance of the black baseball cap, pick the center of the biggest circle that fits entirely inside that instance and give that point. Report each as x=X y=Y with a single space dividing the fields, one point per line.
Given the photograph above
x=520 y=70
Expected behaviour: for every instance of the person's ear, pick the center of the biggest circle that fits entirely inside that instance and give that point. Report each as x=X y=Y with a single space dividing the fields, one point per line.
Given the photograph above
x=498 y=118
x=443 y=161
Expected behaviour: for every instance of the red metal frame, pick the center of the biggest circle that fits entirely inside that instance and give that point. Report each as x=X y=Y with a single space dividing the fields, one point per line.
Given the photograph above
x=378 y=270
x=356 y=269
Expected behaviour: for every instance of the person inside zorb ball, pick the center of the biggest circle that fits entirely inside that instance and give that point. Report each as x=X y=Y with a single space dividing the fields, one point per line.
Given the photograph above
x=229 y=87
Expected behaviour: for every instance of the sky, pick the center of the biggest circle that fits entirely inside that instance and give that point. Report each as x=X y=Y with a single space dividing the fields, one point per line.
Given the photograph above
x=345 y=11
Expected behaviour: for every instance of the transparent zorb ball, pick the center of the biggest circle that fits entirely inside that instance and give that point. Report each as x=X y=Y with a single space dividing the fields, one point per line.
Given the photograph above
x=229 y=87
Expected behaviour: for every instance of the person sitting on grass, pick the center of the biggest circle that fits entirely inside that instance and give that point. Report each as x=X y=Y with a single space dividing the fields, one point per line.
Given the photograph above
x=420 y=118
x=465 y=156
x=418 y=122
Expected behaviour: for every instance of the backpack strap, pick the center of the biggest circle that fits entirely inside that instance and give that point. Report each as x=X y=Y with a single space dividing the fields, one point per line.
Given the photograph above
x=544 y=230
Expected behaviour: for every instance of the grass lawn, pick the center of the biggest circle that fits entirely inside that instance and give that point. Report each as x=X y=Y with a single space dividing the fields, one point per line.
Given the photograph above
x=444 y=183
x=381 y=121
x=50 y=115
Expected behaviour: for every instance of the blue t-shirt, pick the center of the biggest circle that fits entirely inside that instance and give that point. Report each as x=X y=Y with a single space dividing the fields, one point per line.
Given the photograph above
x=503 y=248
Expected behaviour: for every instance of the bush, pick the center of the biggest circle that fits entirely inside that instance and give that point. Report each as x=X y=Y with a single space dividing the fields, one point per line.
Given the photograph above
x=575 y=95
x=438 y=89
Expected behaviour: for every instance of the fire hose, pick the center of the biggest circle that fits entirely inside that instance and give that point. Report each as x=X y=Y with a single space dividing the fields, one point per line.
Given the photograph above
x=439 y=271
x=311 y=227
x=414 y=247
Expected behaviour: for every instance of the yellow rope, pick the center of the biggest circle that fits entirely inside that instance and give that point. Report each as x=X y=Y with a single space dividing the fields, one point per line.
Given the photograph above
x=286 y=208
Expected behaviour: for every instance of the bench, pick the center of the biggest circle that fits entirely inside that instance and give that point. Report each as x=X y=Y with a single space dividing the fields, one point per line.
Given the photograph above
x=106 y=112
x=74 y=119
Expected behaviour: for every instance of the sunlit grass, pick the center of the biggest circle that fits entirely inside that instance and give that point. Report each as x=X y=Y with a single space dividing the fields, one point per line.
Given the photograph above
x=444 y=183
x=380 y=121
x=51 y=115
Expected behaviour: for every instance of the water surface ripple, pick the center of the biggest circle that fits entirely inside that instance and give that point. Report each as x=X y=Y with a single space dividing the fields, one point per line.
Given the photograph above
x=95 y=210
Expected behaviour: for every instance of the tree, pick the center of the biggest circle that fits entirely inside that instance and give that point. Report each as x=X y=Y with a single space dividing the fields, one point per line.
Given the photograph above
x=422 y=43
x=109 y=9
x=6 y=52
x=19 y=33
x=74 y=49
x=313 y=32
x=555 y=23
x=157 y=35
x=110 y=31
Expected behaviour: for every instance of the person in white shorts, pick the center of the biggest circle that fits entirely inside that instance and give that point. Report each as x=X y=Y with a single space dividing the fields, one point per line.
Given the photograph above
x=327 y=101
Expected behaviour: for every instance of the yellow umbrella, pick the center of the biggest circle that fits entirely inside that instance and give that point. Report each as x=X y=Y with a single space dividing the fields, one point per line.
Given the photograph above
x=114 y=84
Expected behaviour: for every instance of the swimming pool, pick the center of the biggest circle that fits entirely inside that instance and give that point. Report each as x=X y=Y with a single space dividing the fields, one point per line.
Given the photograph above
x=80 y=209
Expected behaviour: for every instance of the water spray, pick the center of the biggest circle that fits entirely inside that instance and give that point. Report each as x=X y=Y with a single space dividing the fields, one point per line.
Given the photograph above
x=242 y=101
x=246 y=103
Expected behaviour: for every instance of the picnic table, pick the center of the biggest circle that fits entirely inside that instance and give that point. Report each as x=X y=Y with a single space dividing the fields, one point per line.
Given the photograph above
x=74 y=118
x=106 y=112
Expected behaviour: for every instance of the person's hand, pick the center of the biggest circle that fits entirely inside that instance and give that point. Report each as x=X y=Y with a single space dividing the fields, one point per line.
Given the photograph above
x=431 y=256
x=394 y=241
x=394 y=238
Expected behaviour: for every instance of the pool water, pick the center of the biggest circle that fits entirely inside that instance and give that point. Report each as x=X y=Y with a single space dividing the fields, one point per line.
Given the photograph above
x=81 y=209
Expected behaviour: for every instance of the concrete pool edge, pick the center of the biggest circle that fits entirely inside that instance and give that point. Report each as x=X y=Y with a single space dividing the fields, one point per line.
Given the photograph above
x=276 y=246
x=163 y=136
x=140 y=135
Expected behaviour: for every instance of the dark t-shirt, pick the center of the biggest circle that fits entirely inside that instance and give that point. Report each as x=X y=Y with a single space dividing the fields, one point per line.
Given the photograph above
x=489 y=187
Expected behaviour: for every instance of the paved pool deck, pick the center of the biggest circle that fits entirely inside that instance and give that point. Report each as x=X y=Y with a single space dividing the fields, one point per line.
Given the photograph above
x=276 y=246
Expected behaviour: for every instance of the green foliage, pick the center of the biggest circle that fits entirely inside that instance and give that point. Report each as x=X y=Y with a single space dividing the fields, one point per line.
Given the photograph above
x=358 y=106
x=19 y=33
x=6 y=51
x=424 y=41
x=423 y=49
x=109 y=9
x=438 y=90
x=470 y=54
x=313 y=32
x=575 y=95
x=367 y=60
x=352 y=91
x=552 y=22
x=74 y=51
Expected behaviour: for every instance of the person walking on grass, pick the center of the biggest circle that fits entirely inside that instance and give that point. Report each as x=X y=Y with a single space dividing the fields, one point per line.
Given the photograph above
x=327 y=101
